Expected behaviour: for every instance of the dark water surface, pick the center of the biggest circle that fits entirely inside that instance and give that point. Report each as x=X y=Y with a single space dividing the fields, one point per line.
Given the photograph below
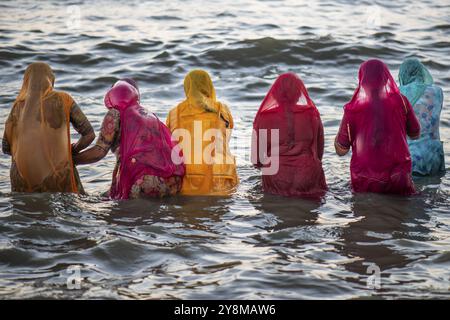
x=248 y=246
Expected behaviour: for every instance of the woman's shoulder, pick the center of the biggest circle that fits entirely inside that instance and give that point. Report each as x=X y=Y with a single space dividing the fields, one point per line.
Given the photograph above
x=113 y=117
x=171 y=120
x=113 y=112
x=349 y=108
x=174 y=109
x=226 y=115
x=399 y=101
x=177 y=107
x=65 y=97
x=62 y=94
x=224 y=106
x=395 y=98
x=436 y=90
x=313 y=111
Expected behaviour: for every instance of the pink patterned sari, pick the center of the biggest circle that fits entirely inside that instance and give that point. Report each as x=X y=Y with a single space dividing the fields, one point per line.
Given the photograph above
x=145 y=142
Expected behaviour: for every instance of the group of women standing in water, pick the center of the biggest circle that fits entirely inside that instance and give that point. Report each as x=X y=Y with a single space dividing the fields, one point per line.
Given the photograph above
x=393 y=133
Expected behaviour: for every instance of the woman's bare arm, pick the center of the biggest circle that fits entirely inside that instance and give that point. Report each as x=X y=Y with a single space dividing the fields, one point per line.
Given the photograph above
x=341 y=151
x=91 y=155
x=6 y=142
x=6 y=148
x=108 y=134
x=343 y=139
x=83 y=127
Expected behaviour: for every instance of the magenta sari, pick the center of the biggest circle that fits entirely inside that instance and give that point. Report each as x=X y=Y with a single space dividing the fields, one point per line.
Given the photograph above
x=145 y=142
x=375 y=124
x=288 y=108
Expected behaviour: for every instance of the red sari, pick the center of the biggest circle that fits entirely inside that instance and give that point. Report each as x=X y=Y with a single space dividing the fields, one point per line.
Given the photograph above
x=375 y=124
x=288 y=109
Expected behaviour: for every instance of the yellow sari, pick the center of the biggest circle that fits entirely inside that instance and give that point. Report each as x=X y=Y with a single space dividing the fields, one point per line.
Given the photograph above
x=207 y=173
x=38 y=133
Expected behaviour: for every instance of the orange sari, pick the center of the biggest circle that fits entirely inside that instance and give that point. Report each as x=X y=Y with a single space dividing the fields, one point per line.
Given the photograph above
x=38 y=133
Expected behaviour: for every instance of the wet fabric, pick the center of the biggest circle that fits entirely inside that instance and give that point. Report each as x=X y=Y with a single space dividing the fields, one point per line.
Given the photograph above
x=146 y=187
x=414 y=78
x=37 y=135
x=375 y=125
x=207 y=173
x=145 y=142
x=156 y=187
x=288 y=108
x=416 y=83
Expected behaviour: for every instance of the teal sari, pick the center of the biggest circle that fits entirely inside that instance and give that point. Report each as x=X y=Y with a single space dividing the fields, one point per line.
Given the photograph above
x=416 y=83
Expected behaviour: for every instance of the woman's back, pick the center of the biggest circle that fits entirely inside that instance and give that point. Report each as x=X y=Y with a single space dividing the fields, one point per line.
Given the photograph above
x=289 y=141
x=46 y=139
x=375 y=125
x=306 y=126
x=428 y=110
x=203 y=126
x=418 y=86
x=378 y=132
x=38 y=135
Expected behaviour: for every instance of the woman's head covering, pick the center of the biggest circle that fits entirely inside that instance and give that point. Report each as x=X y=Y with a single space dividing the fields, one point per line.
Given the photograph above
x=414 y=78
x=288 y=94
x=145 y=142
x=121 y=96
x=199 y=90
x=288 y=90
x=131 y=81
x=375 y=82
x=38 y=80
x=200 y=93
x=134 y=84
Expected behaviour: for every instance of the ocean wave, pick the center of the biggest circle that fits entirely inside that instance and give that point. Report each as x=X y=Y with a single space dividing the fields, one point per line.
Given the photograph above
x=81 y=59
x=166 y=18
x=263 y=51
x=127 y=47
